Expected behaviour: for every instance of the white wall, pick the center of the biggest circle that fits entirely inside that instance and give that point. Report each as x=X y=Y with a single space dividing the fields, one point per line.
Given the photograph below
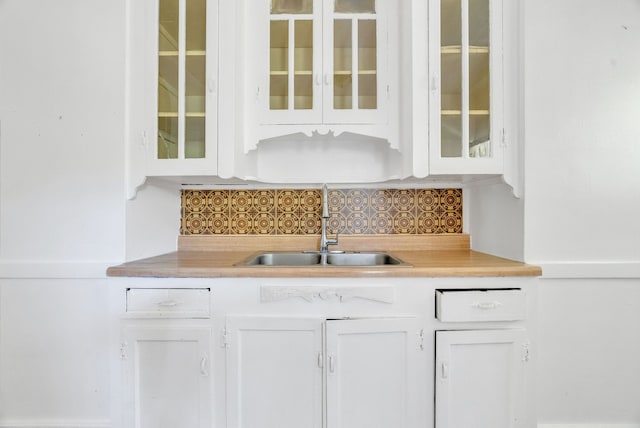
x=582 y=204
x=62 y=209
x=582 y=92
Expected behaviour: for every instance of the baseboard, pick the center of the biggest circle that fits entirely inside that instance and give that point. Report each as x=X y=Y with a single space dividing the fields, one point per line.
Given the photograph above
x=55 y=423
x=601 y=425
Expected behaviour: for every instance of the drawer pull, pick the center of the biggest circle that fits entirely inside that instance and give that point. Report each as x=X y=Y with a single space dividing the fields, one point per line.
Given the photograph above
x=486 y=305
x=168 y=303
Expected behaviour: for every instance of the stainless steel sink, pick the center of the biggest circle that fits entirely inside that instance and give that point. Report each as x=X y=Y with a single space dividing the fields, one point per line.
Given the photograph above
x=316 y=259
x=284 y=259
x=363 y=259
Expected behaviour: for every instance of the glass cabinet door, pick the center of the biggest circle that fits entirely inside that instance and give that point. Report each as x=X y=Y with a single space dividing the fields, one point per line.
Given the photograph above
x=355 y=47
x=291 y=55
x=181 y=79
x=465 y=75
x=323 y=62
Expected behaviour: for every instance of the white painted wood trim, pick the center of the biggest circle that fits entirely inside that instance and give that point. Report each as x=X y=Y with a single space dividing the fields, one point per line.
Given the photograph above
x=588 y=425
x=55 y=423
x=24 y=269
x=585 y=269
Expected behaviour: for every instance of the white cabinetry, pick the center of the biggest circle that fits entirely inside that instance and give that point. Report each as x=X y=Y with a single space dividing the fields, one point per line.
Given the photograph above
x=480 y=378
x=274 y=372
x=482 y=351
x=375 y=372
x=167 y=373
x=163 y=376
x=372 y=371
x=322 y=352
x=466 y=81
x=320 y=65
x=306 y=83
x=172 y=63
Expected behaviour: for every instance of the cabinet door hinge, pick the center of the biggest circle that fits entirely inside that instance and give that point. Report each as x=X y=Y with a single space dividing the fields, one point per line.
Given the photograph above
x=123 y=351
x=526 y=356
x=421 y=339
x=225 y=337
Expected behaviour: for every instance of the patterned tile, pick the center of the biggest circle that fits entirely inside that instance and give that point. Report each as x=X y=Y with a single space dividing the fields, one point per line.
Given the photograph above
x=298 y=211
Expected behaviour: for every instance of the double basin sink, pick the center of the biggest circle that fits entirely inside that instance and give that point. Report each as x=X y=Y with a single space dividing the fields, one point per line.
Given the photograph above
x=303 y=259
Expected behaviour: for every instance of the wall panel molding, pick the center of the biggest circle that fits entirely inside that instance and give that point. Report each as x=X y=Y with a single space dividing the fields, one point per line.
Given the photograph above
x=55 y=423
x=39 y=269
x=588 y=269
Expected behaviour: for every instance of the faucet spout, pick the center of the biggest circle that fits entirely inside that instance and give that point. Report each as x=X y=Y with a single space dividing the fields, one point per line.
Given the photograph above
x=324 y=241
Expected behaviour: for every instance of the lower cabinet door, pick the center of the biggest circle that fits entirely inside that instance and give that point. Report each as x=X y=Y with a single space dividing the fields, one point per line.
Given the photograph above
x=274 y=372
x=479 y=378
x=376 y=373
x=167 y=377
x=314 y=373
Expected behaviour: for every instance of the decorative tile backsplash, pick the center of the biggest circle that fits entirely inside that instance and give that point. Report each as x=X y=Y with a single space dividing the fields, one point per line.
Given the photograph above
x=298 y=211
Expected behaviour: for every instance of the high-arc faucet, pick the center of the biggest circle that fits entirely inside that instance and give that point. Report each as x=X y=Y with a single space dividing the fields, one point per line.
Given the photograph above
x=324 y=242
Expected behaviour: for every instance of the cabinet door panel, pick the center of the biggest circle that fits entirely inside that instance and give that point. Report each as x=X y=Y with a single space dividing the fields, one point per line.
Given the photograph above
x=274 y=378
x=168 y=376
x=479 y=378
x=374 y=373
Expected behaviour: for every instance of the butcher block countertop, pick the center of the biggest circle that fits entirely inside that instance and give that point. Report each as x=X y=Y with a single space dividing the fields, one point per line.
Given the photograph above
x=223 y=257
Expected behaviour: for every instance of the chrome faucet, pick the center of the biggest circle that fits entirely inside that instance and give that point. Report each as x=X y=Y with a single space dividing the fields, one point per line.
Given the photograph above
x=324 y=242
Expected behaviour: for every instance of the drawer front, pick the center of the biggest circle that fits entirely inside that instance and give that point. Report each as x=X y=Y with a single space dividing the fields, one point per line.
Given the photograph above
x=480 y=305
x=168 y=302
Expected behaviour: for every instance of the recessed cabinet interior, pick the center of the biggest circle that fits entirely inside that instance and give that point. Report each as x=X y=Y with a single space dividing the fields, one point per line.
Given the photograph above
x=465 y=60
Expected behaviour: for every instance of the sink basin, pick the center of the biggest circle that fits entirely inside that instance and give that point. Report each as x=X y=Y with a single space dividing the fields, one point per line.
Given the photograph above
x=284 y=259
x=315 y=259
x=362 y=259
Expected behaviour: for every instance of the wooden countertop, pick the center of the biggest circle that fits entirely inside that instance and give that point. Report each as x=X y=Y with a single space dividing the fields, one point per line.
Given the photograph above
x=426 y=256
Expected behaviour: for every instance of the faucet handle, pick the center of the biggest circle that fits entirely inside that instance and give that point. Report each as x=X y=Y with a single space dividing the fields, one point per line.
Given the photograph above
x=333 y=241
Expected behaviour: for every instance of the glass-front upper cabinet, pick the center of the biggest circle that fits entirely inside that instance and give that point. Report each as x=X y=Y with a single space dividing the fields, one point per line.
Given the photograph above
x=324 y=62
x=186 y=107
x=465 y=125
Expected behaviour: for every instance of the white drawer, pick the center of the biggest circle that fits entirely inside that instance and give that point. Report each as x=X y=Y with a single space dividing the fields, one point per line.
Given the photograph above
x=480 y=305
x=168 y=302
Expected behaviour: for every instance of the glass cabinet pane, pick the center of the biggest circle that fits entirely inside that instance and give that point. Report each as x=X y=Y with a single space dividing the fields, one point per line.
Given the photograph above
x=168 y=80
x=303 y=59
x=479 y=94
x=465 y=78
x=195 y=77
x=291 y=6
x=342 y=64
x=451 y=80
x=181 y=79
x=279 y=66
x=367 y=65
x=355 y=6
